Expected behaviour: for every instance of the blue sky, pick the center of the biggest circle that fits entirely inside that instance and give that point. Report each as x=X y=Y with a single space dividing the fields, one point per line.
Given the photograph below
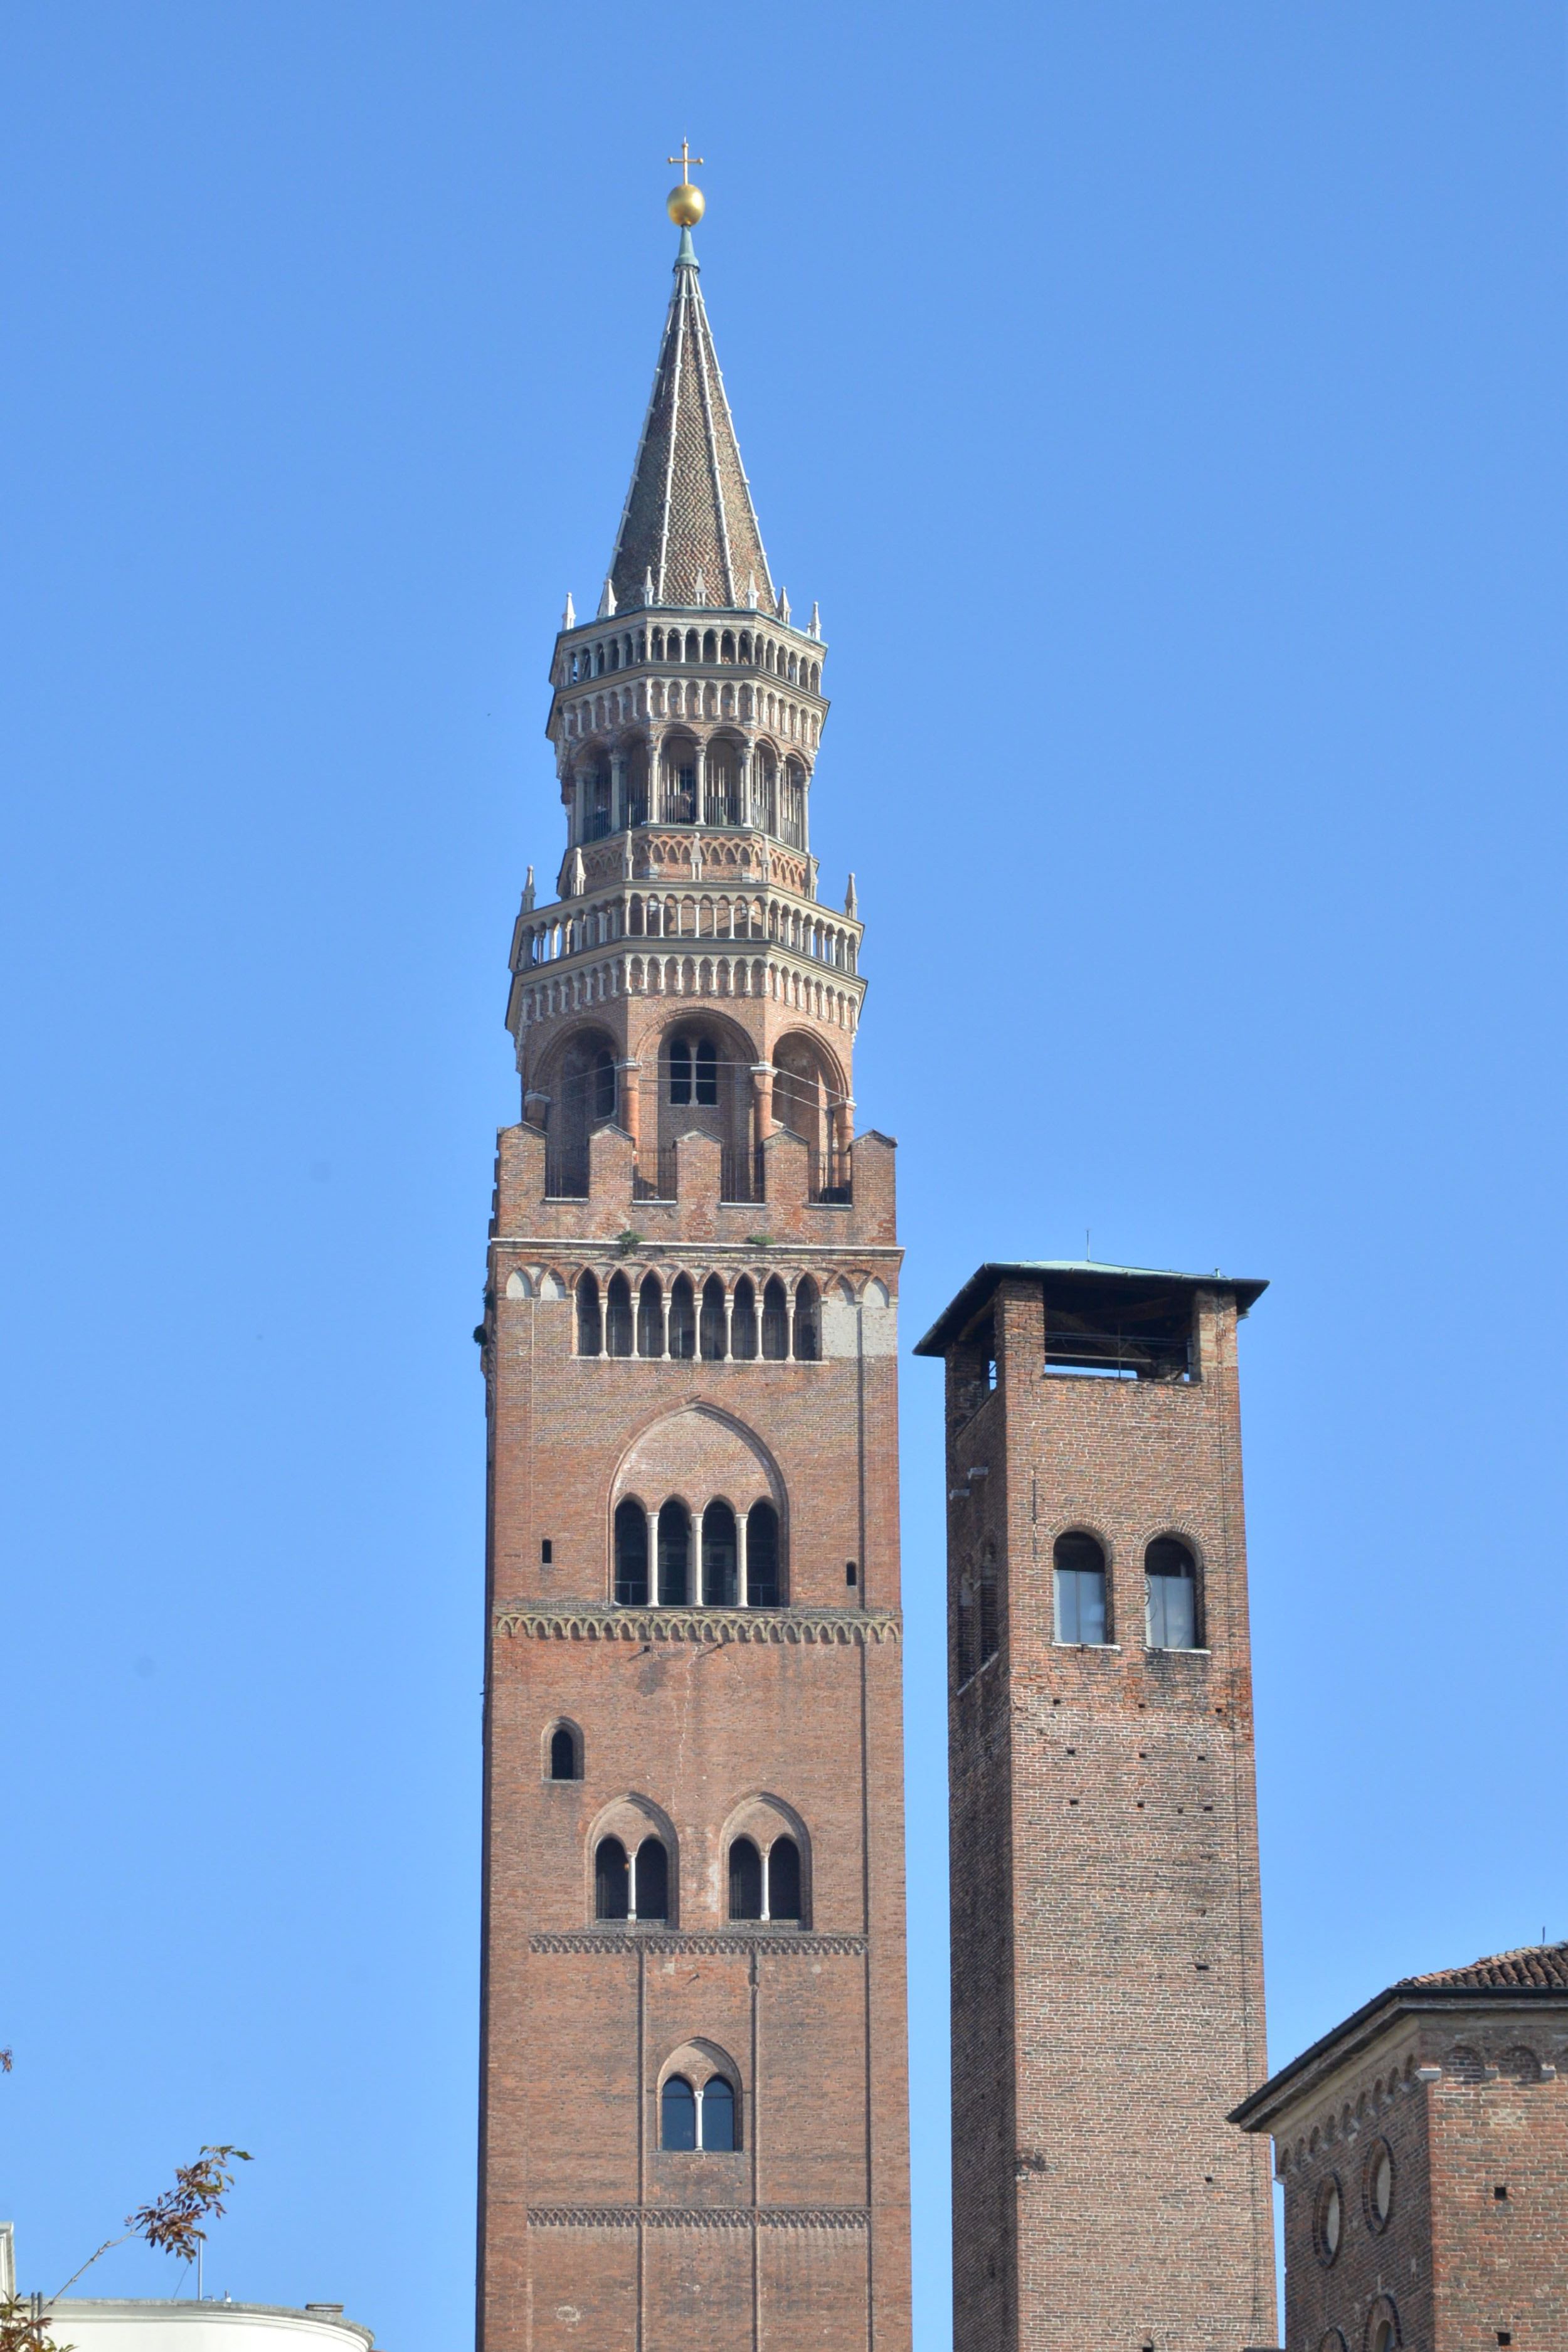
x=1165 y=403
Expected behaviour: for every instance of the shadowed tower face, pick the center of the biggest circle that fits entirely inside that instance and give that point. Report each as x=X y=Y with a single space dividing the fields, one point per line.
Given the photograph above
x=694 y=2106
x=1107 y=1961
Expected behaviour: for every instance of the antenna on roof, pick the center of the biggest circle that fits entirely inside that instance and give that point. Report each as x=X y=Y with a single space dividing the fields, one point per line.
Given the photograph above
x=1088 y=1254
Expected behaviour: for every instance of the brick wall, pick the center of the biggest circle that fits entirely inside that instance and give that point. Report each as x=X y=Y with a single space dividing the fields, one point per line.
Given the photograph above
x=591 y=2234
x=1108 y=2006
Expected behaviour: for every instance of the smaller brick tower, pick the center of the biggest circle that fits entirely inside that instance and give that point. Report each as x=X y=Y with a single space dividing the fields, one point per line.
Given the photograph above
x=1107 y=1963
x=1423 y=2149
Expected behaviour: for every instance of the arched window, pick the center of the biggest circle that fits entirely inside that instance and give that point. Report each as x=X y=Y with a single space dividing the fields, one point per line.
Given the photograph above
x=588 y=1331
x=564 y=1754
x=651 y=1317
x=679 y=1070
x=711 y=1332
x=604 y=1079
x=710 y=646
x=743 y=1321
x=693 y=647
x=1080 y=1589
x=619 y=1317
x=652 y=1880
x=682 y=1317
x=719 y=1557
x=717 y=2119
x=631 y=1555
x=677 y=2115
x=764 y=1568
x=674 y=1555
x=707 y=1088
x=657 y=642
x=784 y=1879
x=807 y=1321
x=612 y=1880
x=776 y=1321
x=1173 y=1595
x=745 y=1880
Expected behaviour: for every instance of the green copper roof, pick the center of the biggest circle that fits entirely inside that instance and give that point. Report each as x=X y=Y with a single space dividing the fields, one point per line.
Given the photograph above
x=1073 y=1278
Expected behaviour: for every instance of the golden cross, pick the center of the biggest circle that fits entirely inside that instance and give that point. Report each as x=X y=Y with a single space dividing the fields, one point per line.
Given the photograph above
x=686 y=159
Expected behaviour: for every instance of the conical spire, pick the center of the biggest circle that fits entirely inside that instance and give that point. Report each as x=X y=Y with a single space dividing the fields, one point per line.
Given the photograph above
x=689 y=523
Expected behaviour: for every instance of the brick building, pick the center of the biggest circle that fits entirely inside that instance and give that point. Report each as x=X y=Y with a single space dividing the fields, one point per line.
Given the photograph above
x=1423 y=2149
x=1107 y=1963
x=694 y=2103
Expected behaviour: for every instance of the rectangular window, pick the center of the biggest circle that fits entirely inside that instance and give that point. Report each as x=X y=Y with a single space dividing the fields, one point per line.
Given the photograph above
x=1080 y=1605
x=1171 y=1613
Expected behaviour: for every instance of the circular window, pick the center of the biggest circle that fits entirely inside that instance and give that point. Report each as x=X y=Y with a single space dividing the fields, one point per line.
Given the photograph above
x=1328 y=2223
x=1380 y=2185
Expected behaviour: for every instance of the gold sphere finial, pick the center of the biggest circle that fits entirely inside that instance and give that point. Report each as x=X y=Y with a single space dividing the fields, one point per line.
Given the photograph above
x=685 y=204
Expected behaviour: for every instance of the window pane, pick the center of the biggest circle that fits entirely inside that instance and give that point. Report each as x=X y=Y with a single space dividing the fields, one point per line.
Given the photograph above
x=562 y=1756
x=1171 y=1613
x=612 y=1881
x=631 y=1555
x=745 y=1881
x=681 y=1072
x=717 y=2115
x=719 y=1557
x=653 y=1880
x=784 y=1879
x=678 y=2124
x=763 y=1578
x=1080 y=1605
x=707 y=1072
x=674 y=1552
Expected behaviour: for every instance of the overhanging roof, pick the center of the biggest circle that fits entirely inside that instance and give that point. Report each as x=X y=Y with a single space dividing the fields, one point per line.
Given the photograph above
x=1078 y=1278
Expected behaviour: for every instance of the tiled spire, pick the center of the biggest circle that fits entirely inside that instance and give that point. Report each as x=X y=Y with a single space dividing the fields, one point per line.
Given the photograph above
x=689 y=524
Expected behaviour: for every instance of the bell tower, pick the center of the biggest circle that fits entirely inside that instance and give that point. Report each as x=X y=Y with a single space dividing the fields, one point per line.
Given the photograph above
x=693 y=2093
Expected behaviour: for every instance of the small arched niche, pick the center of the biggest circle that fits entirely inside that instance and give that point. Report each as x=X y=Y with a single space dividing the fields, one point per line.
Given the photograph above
x=562 y=1750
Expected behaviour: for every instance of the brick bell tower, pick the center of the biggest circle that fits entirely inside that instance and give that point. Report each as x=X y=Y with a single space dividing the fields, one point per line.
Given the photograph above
x=1107 y=1949
x=694 y=2127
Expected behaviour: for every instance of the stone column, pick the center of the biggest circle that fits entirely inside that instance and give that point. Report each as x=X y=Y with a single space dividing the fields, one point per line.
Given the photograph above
x=694 y=1561
x=763 y=1100
x=617 y=791
x=729 y=1321
x=742 y=1584
x=653 y=1588
x=631 y=1102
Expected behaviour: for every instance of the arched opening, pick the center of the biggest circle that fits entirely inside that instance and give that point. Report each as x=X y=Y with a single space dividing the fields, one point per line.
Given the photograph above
x=764 y=1563
x=631 y=1554
x=990 y=1613
x=719 y=1557
x=716 y=2128
x=807 y=1321
x=677 y=779
x=657 y=642
x=784 y=1880
x=682 y=1317
x=743 y=1321
x=1078 y=1565
x=652 y=1880
x=590 y=1336
x=776 y=1321
x=674 y=1556
x=612 y=1880
x=693 y=649
x=1172 y=1594
x=678 y=2115
x=710 y=1331
x=651 y=1317
x=710 y=646
x=564 y=1765
x=745 y=1880
x=618 y=1320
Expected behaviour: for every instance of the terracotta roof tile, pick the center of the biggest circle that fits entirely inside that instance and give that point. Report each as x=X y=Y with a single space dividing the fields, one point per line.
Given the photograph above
x=1542 y=1965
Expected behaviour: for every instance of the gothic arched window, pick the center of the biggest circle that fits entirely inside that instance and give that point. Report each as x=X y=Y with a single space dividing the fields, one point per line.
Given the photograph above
x=563 y=1764
x=716 y=2123
x=745 y=1880
x=807 y=1321
x=764 y=1565
x=1173 y=1595
x=674 y=1556
x=682 y=1317
x=719 y=1557
x=588 y=1326
x=612 y=1880
x=712 y=1321
x=776 y=1321
x=651 y=1317
x=784 y=1879
x=743 y=1321
x=677 y=2115
x=619 y=1332
x=652 y=1880
x=631 y=1555
x=1079 y=1566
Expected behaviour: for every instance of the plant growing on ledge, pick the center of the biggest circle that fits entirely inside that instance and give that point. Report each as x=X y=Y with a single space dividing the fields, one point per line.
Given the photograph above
x=628 y=1241
x=760 y=1241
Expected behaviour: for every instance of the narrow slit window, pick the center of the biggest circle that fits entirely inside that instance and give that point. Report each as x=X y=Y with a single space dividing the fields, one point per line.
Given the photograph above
x=618 y=1320
x=743 y=1321
x=711 y=1331
x=719 y=1557
x=588 y=1323
x=631 y=1555
x=651 y=1317
x=682 y=1317
x=764 y=1558
x=563 y=1754
x=674 y=1556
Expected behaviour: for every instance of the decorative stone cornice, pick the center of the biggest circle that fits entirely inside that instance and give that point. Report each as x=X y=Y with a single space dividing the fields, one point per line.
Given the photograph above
x=565 y=1620
x=791 y=1943
x=698 y=2216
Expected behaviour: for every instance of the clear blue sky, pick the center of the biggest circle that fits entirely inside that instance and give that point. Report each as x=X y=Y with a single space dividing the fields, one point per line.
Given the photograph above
x=1165 y=404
